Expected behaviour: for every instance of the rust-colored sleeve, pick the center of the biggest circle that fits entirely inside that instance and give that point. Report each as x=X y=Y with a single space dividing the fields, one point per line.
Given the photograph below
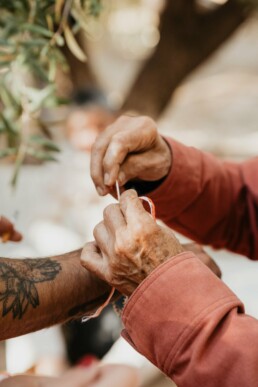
x=192 y=326
x=210 y=201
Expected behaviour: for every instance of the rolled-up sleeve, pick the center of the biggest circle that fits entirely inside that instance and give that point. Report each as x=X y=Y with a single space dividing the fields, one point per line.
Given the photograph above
x=192 y=326
x=210 y=201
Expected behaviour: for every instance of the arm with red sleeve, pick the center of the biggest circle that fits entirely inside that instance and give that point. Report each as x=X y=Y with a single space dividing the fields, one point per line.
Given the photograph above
x=210 y=201
x=192 y=326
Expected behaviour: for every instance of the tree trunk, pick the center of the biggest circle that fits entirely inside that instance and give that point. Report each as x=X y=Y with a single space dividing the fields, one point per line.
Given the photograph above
x=188 y=37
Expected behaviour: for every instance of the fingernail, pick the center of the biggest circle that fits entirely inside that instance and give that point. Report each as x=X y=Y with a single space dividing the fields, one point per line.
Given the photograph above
x=106 y=178
x=121 y=178
x=100 y=191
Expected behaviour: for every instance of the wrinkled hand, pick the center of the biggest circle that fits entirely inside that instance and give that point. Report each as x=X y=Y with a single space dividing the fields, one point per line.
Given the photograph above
x=96 y=376
x=129 y=148
x=8 y=232
x=204 y=257
x=129 y=245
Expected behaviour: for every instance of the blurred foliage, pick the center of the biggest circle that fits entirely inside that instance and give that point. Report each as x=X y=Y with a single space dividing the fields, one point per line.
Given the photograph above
x=32 y=33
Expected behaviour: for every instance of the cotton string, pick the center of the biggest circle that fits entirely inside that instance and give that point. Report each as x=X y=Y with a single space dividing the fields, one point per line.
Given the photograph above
x=153 y=214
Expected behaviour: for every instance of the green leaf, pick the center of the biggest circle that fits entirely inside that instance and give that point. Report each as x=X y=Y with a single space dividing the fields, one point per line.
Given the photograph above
x=73 y=45
x=46 y=143
x=34 y=43
x=38 y=70
x=7 y=152
x=8 y=124
x=18 y=163
x=38 y=98
x=8 y=98
x=41 y=155
x=36 y=29
x=4 y=64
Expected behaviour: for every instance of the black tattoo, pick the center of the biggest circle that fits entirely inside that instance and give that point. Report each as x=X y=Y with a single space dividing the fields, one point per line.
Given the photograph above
x=18 y=281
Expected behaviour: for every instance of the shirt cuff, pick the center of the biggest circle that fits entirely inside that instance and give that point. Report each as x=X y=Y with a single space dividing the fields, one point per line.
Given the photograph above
x=178 y=298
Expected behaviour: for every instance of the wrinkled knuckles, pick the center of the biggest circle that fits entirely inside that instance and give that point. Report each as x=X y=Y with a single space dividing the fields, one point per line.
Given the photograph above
x=120 y=247
x=145 y=121
x=144 y=231
x=108 y=212
x=123 y=118
x=97 y=230
x=129 y=194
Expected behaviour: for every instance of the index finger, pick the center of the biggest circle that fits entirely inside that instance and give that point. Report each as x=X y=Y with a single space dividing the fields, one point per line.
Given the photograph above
x=97 y=155
x=137 y=136
x=132 y=208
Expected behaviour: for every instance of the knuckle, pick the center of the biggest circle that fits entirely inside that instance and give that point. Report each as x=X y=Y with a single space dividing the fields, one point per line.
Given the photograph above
x=94 y=172
x=123 y=118
x=138 y=230
x=143 y=231
x=118 y=248
x=120 y=244
x=146 y=121
x=97 y=229
x=108 y=163
x=97 y=146
x=108 y=211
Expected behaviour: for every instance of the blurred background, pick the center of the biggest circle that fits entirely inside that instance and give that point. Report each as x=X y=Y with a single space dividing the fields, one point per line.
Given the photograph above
x=193 y=66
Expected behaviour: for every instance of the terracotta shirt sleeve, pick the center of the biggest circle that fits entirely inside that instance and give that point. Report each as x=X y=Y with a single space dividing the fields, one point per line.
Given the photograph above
x=210 y=201
x=189 y=324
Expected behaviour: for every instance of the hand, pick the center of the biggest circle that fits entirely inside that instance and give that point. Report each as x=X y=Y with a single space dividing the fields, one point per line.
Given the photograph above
x=8 y=232
x=95 y=376
x=129 y=148
x=129 y=245
x=204 y=257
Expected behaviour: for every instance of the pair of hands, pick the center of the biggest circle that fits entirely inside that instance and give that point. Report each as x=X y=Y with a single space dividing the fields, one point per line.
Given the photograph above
x=95 y=376
x=129 y=244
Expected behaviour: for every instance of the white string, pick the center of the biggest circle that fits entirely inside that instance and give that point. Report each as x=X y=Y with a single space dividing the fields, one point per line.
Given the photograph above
x=118 y=194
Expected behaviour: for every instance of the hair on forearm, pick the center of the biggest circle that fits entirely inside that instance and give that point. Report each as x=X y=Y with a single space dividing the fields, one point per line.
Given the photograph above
x=19 y=280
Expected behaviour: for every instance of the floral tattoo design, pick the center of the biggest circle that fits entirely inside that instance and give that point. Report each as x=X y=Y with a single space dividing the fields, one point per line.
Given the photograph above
x=18 y=283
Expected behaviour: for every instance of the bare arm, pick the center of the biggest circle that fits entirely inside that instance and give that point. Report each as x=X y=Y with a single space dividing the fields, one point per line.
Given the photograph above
x=38 y=293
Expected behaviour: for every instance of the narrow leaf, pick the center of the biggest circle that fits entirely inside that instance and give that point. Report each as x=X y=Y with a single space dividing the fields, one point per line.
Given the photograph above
x=73 y=45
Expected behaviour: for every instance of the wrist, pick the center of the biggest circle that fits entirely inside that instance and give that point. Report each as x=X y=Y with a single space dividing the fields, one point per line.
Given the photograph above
x=167 y=157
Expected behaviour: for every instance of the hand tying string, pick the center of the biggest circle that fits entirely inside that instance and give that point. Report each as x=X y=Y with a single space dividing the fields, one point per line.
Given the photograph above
x=106 y=303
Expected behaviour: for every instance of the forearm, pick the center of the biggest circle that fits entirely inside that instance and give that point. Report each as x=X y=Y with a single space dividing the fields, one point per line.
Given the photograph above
x=208 y=200
x=38 y=293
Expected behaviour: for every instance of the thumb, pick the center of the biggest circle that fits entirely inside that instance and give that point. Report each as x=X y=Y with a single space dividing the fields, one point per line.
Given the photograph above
x=135 y=166
x=92 y=260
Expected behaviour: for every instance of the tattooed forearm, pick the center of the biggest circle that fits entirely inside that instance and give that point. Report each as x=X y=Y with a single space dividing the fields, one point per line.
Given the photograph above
x=18 y=283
